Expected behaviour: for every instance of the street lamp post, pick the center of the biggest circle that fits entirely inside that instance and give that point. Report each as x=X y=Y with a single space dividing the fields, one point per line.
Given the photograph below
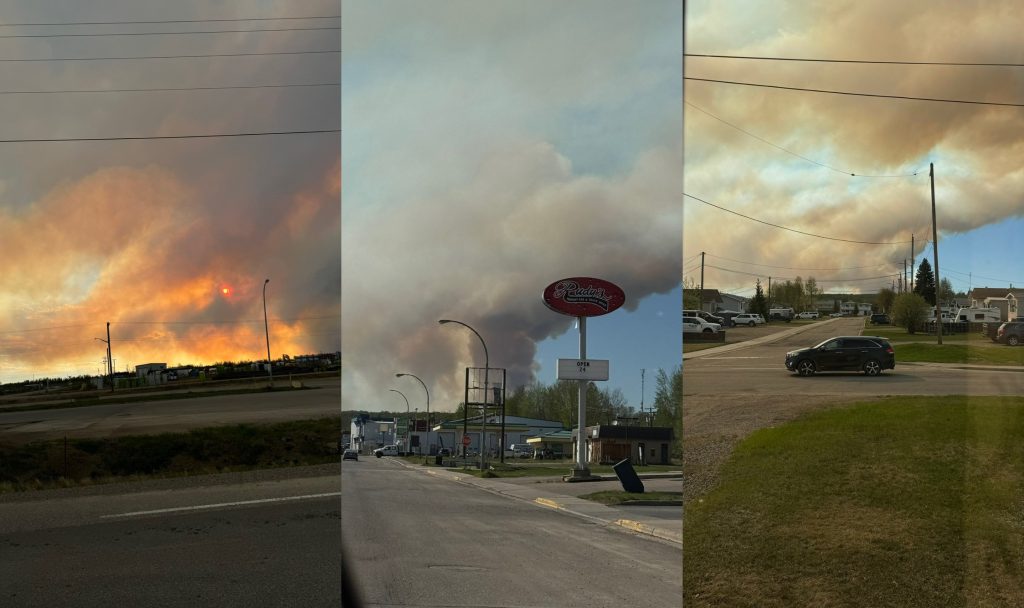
x=266 y=329
x=408 y=442
x=428 y=398
x=487 y=366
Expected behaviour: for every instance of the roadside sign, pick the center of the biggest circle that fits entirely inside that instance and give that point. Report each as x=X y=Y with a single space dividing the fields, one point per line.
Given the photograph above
x=583 y=297
x=465 y=440
x=583 y=369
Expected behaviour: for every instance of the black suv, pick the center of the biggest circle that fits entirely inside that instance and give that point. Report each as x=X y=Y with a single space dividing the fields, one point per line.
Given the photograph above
x=869 y=354
x=1011 y=333
x=880 y=318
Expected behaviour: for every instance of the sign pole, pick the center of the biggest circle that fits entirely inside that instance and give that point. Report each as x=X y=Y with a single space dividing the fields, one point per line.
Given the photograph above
x=581 y=439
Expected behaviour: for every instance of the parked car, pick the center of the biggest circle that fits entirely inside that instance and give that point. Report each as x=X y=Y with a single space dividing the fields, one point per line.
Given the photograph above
x=727 y=317
x=697 y=325
x=1011 y=333
x=781 y=314
x=836 y=315
x=880 y=318
x=388 y=450
x=807 y=314
x=519 y=450
x=869 y=354
x=350 y=455
x=703 y=314
x=748 y=318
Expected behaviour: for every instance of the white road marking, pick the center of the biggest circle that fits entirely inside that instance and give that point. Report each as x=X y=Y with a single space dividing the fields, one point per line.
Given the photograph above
x=221 y=504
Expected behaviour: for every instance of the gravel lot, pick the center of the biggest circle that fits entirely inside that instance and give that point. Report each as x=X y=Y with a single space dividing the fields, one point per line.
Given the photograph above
x=714 y=424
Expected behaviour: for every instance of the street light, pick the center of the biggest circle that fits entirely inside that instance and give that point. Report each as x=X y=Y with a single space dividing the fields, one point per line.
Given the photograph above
x=428 y=398
x=487 y=365
x=407 y=435
x=266 y=328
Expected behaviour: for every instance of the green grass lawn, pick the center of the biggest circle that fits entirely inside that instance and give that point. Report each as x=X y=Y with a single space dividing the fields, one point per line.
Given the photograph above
x=971 y=347
x=618 y=497
x=909 y=502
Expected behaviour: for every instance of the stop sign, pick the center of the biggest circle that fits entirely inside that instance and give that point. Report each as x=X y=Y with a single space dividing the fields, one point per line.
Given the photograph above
x=465 y=440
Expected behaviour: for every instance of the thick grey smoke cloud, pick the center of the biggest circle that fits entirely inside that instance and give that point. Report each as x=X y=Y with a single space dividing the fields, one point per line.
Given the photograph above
x=488 y=151
x=976 y=149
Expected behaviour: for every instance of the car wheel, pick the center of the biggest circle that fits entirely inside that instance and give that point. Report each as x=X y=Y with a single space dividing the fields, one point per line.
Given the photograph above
x=751 y=324
x=1013 y=340
x=872 y=368
x=805 y=367
x=707 y=330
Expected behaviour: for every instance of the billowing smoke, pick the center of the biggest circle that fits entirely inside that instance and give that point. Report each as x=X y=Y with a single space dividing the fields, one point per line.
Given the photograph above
x=149 y=234
x=490 y=149
x=976 y=149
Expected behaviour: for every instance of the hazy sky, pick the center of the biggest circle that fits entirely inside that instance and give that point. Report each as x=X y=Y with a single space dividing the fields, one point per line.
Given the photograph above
x=977 y=150
x=490 y=149
x=148 y=234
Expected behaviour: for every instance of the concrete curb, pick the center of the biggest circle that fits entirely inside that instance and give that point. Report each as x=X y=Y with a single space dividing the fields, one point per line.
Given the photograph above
x=589 y=510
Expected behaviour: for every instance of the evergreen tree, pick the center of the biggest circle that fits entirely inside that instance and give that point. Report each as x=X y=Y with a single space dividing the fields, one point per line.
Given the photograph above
x=924 y=282
x=759 y=304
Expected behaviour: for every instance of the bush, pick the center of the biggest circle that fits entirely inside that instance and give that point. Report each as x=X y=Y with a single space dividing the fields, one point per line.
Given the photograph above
x=909 y=310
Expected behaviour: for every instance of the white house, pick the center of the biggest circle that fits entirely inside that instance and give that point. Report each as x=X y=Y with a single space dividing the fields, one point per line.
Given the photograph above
x=1014 y=304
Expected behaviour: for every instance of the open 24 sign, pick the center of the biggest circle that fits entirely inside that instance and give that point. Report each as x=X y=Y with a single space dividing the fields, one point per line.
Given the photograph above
x=583 y=369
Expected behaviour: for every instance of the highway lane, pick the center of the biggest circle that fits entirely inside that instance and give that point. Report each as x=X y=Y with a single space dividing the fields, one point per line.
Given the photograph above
x=171 y=415
x=183 y=542
x=760 y=369
x=419 y=541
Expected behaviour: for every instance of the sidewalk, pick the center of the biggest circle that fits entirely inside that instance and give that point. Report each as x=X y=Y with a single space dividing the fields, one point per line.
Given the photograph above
x=561 y=496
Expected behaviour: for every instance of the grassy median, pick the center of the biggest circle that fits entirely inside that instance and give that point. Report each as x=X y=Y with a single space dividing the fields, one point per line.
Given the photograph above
x=60 y=463
x=909 y=501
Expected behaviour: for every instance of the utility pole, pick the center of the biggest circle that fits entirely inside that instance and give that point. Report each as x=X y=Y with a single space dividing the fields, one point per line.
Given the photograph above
x=935 y=250
x=700 y=294
x=769 y=295
x=110 y=362
x=642 y=372
x=904 y=274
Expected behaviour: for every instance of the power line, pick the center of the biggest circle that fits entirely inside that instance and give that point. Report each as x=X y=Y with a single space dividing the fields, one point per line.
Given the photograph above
x=905 y=97
x=149 y=137
x=172 y=56
x=235 y=19
x=847 y=280
x=792 y=268
x=810 y=160
x=971 y=274
x=793 y=229
x=856 y=61
x=278 y=29
x=148 y=90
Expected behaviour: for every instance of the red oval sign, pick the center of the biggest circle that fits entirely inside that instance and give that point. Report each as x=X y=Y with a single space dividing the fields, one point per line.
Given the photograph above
x=583 y=297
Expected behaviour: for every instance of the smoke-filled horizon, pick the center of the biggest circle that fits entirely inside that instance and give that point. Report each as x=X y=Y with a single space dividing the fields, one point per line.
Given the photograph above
x=169 y=240
x=976 y=149
x=489 y=151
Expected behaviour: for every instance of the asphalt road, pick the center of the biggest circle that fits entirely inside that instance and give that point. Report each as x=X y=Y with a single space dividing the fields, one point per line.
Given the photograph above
x=170 y=415
x=207 y=541
x=760 y=368
x=415 y=540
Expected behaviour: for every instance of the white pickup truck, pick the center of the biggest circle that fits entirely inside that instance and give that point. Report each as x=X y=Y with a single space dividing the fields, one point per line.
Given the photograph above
x=388 y=450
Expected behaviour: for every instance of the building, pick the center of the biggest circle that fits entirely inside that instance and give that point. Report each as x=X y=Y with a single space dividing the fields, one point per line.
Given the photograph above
x=1014 y=304
x=734 y=303
x=980 y=295
x=369 y=434
x=608 y=444
x=518 y=429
